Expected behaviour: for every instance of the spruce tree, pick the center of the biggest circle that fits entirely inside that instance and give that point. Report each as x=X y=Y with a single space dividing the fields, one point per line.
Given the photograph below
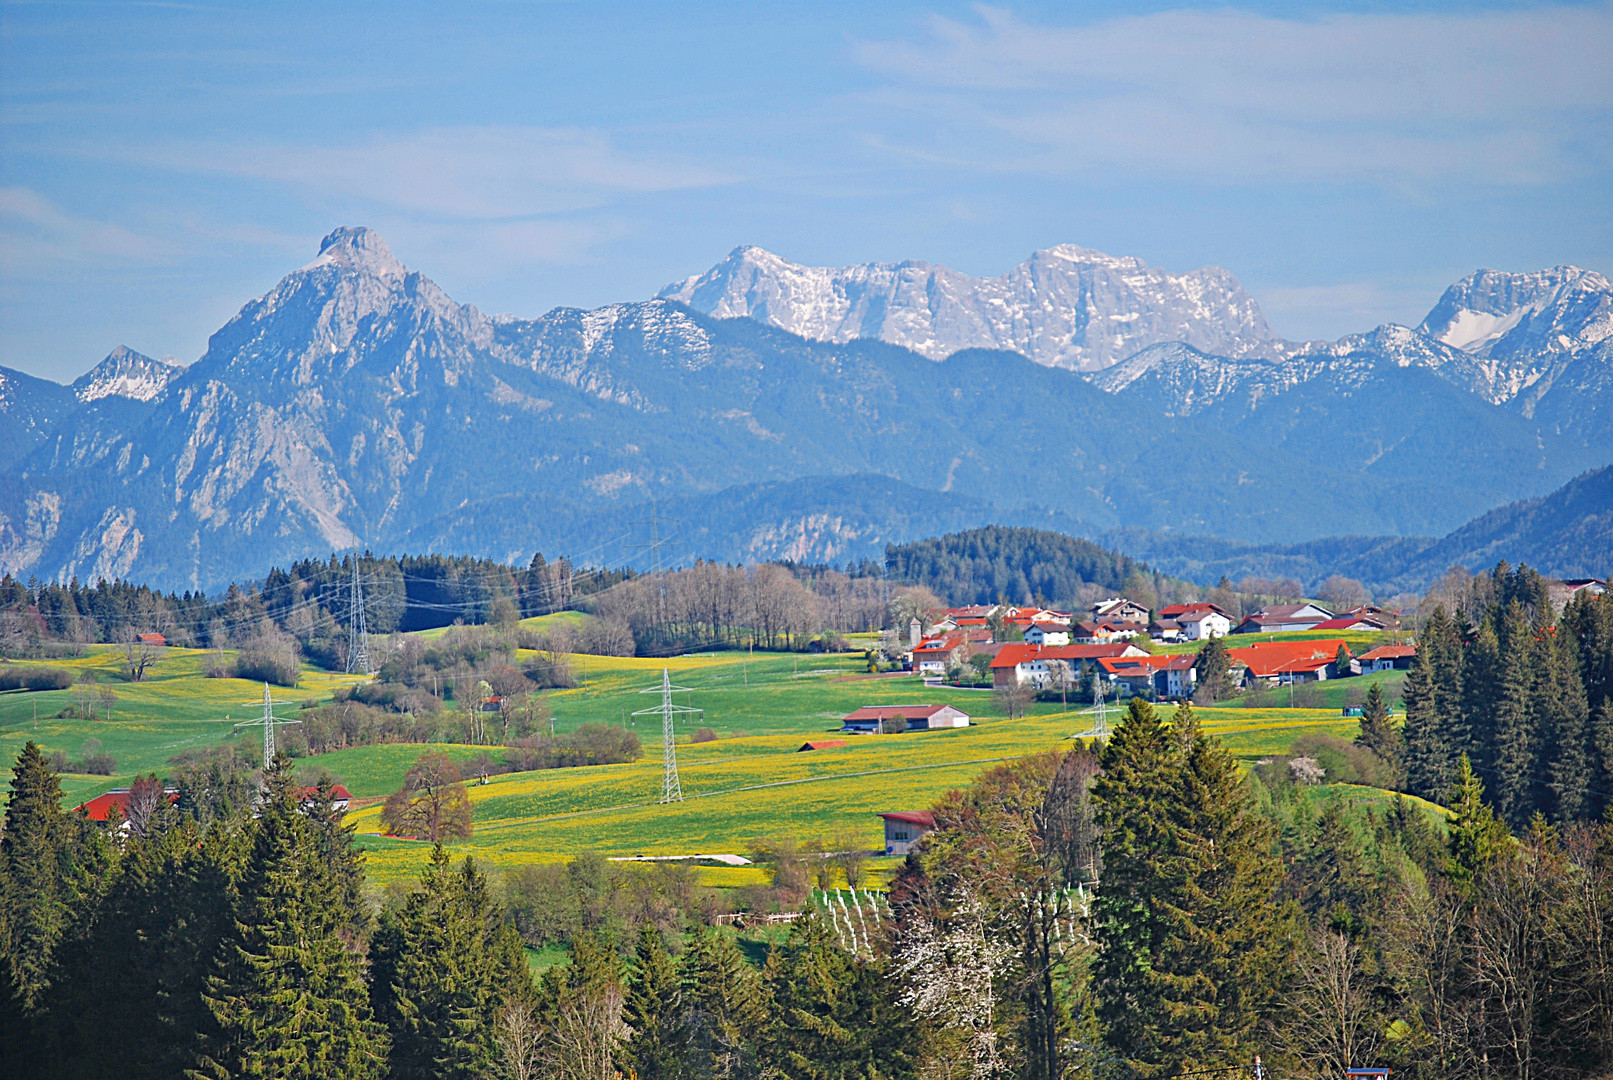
x=726 y=1012
x=658 y=1048
x=835 y=1017
x=53 y=863
x=1227 y=941
x=288 y=999
x=1435 y=732
x=1564 y=719
x=1140 y=778
x=1481 y=672
x=1190 y=940
x=1474 y=836
x=1378 y=733
x=1513 y=764
x=445 y=965
x=152 y=935
x=1213 y=667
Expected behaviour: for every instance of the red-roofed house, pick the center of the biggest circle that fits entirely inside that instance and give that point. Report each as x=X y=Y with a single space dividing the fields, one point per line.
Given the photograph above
x=933 y=655
x=1191 y=622
x=152 y=639
x=1289 y=661
x=905 y=828
x=1387 y=658
x=1167 y=676
x=1040 y=665
x=821 y=744
x=339 y=796
x=875 y=718
x=1101 y=633
x=100 y=808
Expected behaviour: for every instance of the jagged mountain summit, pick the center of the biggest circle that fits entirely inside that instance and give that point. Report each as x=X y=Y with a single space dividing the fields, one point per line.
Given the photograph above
x=1067 y=306
x=126 y=374
x=356 y=403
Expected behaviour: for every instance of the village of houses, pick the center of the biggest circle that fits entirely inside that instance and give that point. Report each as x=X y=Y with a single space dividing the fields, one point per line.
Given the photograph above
x=1039 y=650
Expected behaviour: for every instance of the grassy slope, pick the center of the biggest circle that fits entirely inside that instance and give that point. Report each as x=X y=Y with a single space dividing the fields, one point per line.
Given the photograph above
x=735 y=789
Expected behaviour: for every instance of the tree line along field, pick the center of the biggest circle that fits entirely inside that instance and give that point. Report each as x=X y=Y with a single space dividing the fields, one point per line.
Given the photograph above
x=750 y=782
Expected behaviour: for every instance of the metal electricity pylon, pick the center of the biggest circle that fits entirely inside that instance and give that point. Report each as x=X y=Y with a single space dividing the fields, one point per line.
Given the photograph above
x=1100 y=712
x=671 y=789
x=358 y=635
x=269 y=721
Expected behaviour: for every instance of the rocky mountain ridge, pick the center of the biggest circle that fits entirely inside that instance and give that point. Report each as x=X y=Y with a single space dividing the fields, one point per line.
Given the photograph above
x=1066 y=306
x=355 y=403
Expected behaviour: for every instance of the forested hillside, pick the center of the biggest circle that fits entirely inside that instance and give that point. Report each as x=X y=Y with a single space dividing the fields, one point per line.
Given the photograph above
x=1019 y=565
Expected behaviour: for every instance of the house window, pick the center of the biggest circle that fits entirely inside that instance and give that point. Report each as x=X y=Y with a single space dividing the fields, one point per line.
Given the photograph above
x=901 y=834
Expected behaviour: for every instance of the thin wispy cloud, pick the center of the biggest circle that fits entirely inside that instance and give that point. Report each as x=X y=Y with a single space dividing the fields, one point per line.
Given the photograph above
x=473 y=173
x=1236 y=96
x=34 y=231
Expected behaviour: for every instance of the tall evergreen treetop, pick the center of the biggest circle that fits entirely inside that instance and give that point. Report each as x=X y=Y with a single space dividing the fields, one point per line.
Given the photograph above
x=288 y=999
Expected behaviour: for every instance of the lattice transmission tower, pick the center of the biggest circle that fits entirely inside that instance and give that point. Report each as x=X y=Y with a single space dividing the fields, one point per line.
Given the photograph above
x=671 y=789
x=268 y=721
x=358 y=634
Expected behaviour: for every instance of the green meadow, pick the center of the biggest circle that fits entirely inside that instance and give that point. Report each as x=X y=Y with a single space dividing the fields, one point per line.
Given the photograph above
x=751 y=782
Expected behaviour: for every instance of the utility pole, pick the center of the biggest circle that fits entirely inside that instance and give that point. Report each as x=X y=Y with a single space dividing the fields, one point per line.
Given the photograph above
x=671 y=788
x=358 y=637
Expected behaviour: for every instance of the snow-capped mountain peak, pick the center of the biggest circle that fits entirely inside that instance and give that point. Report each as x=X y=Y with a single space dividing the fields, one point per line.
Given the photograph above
x=126 y=373
x=1066 y=306
x=1487 y=304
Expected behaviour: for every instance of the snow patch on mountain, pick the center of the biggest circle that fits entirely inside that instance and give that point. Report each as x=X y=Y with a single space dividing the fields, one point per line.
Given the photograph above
x=1067 y=306
x=127 y=374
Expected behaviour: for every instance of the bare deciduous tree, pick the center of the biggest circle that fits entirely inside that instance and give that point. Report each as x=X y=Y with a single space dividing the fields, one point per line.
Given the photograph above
x=519 y=1036
x=1333 y=1022
x=138 y=657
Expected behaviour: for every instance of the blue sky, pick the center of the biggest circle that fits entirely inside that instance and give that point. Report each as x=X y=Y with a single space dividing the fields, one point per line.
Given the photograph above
x=160 y=164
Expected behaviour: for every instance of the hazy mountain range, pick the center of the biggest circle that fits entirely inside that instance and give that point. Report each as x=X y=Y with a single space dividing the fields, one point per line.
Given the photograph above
x=777 y=410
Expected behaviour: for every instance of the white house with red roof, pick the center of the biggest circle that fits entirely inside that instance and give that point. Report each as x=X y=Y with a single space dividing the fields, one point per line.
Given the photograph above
x=1387 y=658
x=1166 y=676
x=904 y=828
x=1193 y=622
x=1041 y=666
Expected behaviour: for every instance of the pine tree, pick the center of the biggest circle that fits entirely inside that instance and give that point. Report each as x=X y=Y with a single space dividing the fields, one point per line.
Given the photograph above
x=1341 y=662
x=834 y=1017
x=726 y=1013
x=1514 y=762
x=1474 y=836
x=658 y=1048
x=444 y=967
x=288 y=999
x=1378 y=733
